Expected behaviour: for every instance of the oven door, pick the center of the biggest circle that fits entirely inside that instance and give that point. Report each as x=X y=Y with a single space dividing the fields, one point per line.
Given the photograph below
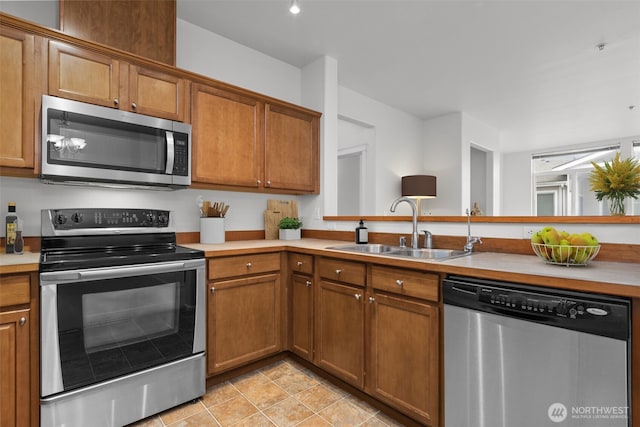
x=100 y=324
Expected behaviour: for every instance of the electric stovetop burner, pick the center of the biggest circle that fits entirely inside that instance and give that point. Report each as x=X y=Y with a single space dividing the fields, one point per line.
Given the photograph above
x=102 y=237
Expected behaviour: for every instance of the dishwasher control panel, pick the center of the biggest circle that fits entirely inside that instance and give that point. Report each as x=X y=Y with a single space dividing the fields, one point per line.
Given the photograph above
x=541 y=304
x=593 y=313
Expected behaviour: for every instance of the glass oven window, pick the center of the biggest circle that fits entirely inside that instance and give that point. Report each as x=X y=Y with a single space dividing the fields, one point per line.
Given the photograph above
x=109 y=328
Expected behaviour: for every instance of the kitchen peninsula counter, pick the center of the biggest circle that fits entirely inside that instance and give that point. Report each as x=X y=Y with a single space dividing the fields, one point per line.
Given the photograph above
x=26 y=262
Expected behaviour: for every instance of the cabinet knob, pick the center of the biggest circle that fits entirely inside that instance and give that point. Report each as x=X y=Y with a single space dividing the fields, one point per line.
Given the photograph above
x=399 y=282
x=212 y=290
x=371 y=300
x=116 y=102
x=358 y=296
x=133 y=106
x=338 y=272
x=258 y=182
x=308 y=283
x=22 y=321
x=249 y=265
x=268 y=183
x=299 y=263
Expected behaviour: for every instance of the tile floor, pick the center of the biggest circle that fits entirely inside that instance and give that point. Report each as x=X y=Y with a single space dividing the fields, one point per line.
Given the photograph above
x=282 y=394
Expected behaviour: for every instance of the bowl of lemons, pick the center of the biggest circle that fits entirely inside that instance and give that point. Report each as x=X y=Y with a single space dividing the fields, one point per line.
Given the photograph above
x=561 y=248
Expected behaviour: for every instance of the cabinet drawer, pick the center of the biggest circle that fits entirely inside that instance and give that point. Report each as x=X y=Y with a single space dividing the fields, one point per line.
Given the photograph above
x=343 y=271
x=406 y=282
x=14 y=290
x=300 y=263
x=243 y=264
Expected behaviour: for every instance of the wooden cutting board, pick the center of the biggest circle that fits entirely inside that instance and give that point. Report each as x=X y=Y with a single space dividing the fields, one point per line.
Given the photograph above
x=276 y=210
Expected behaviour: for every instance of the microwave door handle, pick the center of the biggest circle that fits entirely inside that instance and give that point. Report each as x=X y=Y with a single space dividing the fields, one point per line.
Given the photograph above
x=170 y=153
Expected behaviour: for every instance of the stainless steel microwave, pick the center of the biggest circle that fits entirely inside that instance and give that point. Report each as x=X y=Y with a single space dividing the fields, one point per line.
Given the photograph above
x=84 y=143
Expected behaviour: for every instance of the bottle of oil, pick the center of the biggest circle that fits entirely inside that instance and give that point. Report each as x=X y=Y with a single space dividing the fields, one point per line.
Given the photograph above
x=18 y=246
x=11 y=226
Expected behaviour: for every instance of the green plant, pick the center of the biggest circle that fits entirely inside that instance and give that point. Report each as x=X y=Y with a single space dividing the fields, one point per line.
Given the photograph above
x=616 y=181
x=288 y=223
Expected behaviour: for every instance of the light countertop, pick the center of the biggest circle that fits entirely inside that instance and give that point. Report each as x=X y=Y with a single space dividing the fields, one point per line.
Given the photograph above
x=598 y=276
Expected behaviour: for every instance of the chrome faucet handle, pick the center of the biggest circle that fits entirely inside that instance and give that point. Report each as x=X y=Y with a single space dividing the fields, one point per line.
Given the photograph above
x=403 y=242
x=428 y=239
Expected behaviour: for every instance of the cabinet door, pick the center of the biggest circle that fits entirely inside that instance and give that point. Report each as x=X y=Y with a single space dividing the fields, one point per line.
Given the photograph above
x=17 y=112
x=244 y=321
x=404 y=356
x=83 y=75
x=291 y=147
x=14 y=369
x=302 y=316
x=227 y=138
x=157 y=94
x=340 y=331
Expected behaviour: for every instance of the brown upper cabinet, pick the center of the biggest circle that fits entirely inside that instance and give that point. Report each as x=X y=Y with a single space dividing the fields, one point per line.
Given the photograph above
x=19 y=70
x=146 y=28
x=244 y=142
x=97 y=78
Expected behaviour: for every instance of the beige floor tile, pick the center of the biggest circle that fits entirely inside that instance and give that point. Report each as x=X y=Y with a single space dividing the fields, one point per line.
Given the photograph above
x=295 y=381
x=374 y=422
x=233 y=411
x=388 y=420
x=249 y=381
x=288 y=413
x=318 y=397
x=370 y=410
x=153 y=421
x=181 y=412
x=219 y=393
x=255 y=420
x=279 y=369
x=344 y=413
x=266 y=395
x=314 y=421
x=201 y=419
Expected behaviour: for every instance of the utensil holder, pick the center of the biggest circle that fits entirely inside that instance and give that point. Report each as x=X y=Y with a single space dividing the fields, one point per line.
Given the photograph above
x=212 y=230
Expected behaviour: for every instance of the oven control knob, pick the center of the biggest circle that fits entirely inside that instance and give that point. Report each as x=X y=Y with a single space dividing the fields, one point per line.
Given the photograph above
x=561 y=308
x=163 y=219
x=60 y=219
x=76 y=217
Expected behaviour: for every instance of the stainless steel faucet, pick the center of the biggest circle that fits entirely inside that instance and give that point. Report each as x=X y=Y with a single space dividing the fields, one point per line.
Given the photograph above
x=414 y=234
x=471 y=240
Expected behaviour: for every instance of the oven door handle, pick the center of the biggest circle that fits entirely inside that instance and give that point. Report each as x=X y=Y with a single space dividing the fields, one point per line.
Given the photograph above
x=121 y=271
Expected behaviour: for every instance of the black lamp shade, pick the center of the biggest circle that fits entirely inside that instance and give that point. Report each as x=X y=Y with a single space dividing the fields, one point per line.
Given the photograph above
x=419 y=186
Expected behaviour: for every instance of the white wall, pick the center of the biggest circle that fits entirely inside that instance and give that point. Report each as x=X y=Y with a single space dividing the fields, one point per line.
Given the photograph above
x=397 y=150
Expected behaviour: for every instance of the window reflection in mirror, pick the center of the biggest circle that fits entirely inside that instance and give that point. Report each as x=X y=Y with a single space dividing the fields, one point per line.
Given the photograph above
x=562 y=180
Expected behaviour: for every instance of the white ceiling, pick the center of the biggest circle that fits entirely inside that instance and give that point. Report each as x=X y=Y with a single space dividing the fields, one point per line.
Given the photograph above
x=530 y=69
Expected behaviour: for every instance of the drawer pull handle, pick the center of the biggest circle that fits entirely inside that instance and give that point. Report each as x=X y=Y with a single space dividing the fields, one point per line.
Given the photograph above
x=23 y=321
x=358 y=296
x=338 y=272
x=212 y=290
x=249 y=265
x=308 y=283
x=399 y=282
x=299 y=263
x=371 y=300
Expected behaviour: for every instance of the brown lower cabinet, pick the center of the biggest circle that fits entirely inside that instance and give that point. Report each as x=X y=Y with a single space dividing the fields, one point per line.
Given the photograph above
x=18 y=363
x=244 y=310
x=403 y=364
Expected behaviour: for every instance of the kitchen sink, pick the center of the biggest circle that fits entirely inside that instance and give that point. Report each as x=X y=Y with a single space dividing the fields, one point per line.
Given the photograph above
x=372 y=248
x=421 y=253
x=430 y=253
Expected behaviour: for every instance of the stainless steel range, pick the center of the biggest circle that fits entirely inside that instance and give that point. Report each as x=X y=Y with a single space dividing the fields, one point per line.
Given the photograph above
x=122 y=317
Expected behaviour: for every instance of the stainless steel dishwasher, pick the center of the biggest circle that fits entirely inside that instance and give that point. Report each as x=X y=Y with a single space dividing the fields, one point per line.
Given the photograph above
x=528 y=356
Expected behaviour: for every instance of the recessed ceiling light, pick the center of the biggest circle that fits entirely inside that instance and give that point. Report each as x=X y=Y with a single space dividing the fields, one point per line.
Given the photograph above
x=294 y=8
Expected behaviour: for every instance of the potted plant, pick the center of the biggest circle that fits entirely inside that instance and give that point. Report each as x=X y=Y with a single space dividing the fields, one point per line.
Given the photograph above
x=289 y=228
x=616 y=181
